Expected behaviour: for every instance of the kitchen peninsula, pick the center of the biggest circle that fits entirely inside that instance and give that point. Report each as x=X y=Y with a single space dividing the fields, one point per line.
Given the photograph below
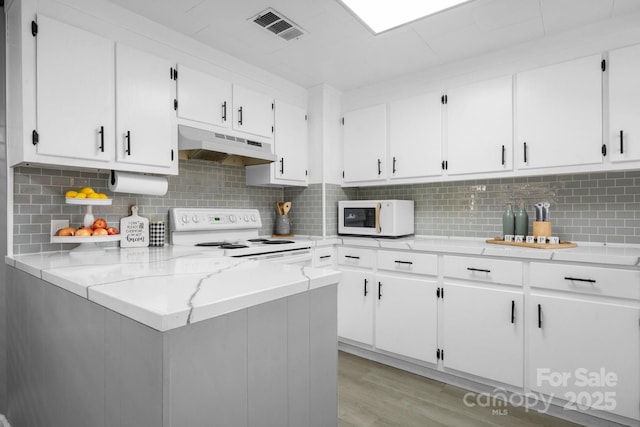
x=170 y=336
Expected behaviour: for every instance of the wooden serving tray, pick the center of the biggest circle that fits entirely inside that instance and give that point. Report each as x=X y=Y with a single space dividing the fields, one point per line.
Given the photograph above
x=561 y=245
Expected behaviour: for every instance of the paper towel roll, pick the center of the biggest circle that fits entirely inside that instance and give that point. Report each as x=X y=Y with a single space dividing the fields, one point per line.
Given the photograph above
x=126 y=182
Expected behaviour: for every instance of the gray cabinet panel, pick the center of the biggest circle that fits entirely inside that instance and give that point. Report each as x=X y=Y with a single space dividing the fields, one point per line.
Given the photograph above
x=208 y=372
x=298 y=359
x=323 y=327
x=267 y=364
x=133 y=373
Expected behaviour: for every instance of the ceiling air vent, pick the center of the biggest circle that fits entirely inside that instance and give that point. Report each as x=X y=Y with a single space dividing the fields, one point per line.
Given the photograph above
x=278 y=24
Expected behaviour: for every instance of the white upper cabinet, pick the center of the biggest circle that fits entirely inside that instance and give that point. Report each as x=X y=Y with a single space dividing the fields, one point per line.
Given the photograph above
x=479 y=127
x=415 y=137
x=146 y=132
x=203 y=98
x=75 y=94
x=559 y=115
x=624 y=104
x=291 y=149
x=290 y=142
x=365 y=144
x=252 y=112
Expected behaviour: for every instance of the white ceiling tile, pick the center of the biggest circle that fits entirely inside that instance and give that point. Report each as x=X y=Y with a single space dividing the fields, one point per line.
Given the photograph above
x=503 y=13
x=340 y=51
x=560 y=15
x=624 y=6
x=471 y=41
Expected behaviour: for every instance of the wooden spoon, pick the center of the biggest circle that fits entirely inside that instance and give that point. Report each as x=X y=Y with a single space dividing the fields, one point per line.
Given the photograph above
x=279 y=208
x=286 y=207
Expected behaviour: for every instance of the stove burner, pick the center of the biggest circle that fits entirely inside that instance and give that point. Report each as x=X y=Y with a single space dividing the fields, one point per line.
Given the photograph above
x=232 y=246
x=211 y=244
x=277 y=242
x=258 y=240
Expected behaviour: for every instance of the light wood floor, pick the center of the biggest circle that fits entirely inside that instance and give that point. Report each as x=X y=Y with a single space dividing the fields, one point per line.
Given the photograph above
x=374 y=395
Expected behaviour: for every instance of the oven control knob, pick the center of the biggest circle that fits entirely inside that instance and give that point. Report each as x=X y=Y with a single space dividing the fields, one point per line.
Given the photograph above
x=196 y=219
x=253 y=218
x=185 y=219
x=232 y=218
x=246 y=218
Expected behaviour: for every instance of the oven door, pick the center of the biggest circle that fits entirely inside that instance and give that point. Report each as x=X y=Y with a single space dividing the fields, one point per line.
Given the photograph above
x=356 y=218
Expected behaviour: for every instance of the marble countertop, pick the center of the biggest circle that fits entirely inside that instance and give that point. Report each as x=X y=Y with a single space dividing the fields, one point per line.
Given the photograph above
x=170 y=286
x=614 y=254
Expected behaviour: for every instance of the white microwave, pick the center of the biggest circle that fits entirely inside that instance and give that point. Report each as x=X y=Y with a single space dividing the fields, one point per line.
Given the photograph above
x=385 y=218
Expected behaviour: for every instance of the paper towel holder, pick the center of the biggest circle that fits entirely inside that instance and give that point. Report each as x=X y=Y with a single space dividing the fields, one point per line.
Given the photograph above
x=151 y=185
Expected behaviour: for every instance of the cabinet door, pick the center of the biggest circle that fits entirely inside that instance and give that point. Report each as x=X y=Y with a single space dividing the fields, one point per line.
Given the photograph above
x=624 y=104
x=571 y=339
x=365 y=144
x=252 y=112
x=203 y=98
x=559 y=115
x=483 y=332
x=355 y=306
x=290 y=143
x=75 y=90
x=406 y=317
x=146 y=131
x=415 y=136
x=480 y=127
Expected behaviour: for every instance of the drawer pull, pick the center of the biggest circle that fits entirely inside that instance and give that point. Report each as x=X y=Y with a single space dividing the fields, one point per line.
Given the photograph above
x=539 y=316
x=325 y=256
x=352 y=257
x=575 y=279
x=513 y=311
x=482 y=270
x=403 y=262
x=379 y=290
x=365 y=287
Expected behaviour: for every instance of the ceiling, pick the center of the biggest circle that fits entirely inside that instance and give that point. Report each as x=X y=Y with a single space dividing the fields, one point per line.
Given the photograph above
x=339 y=51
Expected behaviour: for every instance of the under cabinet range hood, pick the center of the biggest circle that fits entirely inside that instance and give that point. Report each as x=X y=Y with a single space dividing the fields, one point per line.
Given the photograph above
x=200 y=144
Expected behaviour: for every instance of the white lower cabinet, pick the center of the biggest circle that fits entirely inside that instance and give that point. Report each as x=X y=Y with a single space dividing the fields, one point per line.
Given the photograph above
x=586 y=353
x=355 y=306
x=568 y=331
x=483 y=332
x=406 y=317
x=584 y=336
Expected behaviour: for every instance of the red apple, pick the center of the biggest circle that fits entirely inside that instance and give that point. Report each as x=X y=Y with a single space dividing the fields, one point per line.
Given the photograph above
x=112 y=230
x=100 y=223
x=100 y=232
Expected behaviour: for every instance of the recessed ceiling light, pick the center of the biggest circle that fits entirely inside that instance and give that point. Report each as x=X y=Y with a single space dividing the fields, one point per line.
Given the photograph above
x=383 y=15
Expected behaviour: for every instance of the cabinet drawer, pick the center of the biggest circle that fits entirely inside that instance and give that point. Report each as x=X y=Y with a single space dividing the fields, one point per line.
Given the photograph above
x=356 y=257
x=408 y=262
x=586 y=280
x=323 y=257
x=483 y=270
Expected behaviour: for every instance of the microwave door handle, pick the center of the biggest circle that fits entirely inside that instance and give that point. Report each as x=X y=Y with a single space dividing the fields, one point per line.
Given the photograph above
x=378 y=228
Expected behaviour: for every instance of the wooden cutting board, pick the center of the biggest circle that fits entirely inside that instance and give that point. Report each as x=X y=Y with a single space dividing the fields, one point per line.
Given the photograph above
x=561 y=245
x=134 y=230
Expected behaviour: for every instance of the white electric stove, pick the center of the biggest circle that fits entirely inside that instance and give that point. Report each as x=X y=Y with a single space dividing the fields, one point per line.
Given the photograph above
x=234 y=233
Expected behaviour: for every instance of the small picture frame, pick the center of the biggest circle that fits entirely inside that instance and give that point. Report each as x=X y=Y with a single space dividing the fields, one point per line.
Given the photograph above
x=554 y=240
x=519 y=238
x=531 y=239
x=508 y=237
x=541 y=239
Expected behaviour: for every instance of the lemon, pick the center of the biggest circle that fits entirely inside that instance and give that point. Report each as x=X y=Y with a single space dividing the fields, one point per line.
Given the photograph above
x=81 y=196
x=93 y=196
x=102 y=196
x=71 y=193
x=87 y=190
